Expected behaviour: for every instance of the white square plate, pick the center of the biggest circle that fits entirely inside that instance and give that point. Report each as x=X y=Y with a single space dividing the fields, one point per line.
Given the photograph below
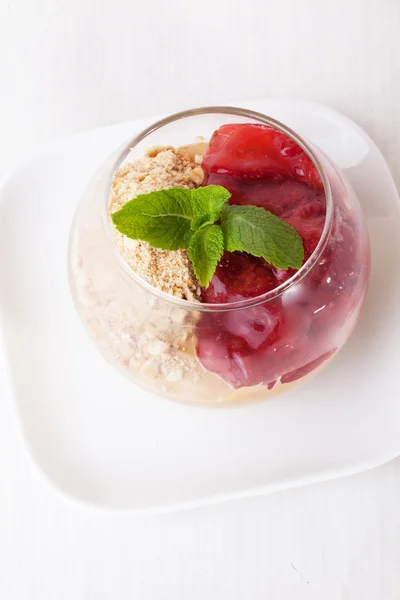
x=105 y=442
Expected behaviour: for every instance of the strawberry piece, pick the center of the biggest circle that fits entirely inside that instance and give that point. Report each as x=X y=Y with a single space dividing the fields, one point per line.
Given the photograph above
x=239 y=276
x=253 y=151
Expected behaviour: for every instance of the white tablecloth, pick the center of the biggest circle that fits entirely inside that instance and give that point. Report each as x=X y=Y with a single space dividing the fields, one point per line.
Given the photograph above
x=77 y=64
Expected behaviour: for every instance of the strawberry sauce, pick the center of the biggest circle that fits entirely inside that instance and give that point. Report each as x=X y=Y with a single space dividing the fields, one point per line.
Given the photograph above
x=287 y=337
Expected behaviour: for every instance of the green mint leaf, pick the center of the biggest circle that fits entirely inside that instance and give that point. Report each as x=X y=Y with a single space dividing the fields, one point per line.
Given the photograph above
x=258 y=232
x=167 y=218
x=205 y=250
x=161 y=218
x=209 y=201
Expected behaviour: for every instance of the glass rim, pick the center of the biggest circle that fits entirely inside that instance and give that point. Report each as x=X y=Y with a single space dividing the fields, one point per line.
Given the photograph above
x=240 y=304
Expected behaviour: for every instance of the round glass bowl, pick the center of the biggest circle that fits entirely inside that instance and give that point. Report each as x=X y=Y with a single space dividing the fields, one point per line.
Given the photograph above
x=218 y=353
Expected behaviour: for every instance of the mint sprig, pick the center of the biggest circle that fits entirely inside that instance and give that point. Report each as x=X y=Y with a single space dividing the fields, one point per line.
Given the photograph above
x=200 y=221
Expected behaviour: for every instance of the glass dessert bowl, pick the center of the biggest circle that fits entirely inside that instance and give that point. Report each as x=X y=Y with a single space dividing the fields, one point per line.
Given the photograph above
x=255 y=329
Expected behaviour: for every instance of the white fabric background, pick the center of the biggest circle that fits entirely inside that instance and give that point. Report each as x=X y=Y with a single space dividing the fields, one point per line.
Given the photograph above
x=67 y=65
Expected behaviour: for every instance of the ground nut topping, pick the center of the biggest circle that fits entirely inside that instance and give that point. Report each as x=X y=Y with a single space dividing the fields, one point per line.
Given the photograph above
x=161 y=168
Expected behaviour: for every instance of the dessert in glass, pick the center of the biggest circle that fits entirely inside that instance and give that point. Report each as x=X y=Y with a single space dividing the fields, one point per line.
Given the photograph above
x=250 y=328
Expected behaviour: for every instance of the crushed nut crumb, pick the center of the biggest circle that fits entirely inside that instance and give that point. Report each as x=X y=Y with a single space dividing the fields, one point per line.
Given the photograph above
x=161 y=168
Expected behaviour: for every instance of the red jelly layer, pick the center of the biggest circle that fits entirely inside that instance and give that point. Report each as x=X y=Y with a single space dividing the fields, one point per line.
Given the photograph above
x=290 y=336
